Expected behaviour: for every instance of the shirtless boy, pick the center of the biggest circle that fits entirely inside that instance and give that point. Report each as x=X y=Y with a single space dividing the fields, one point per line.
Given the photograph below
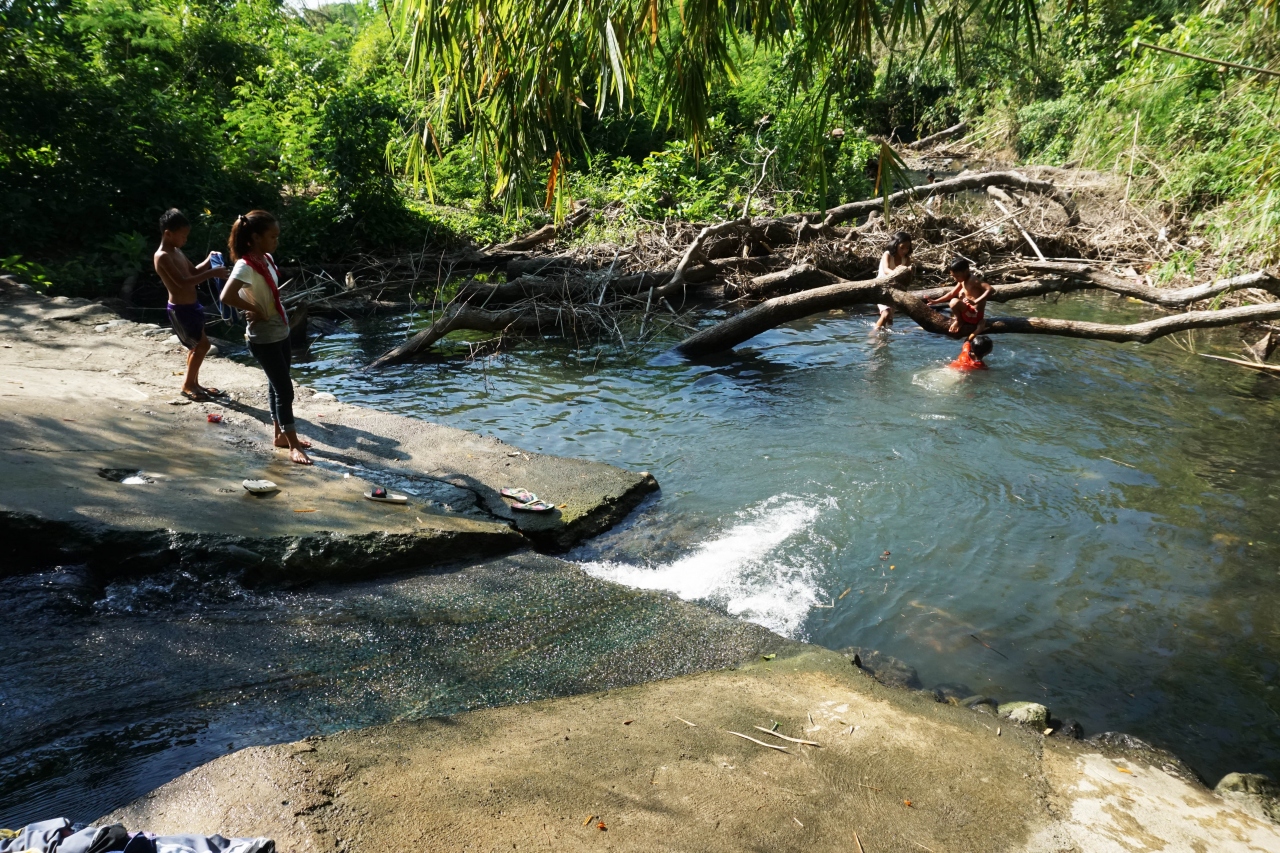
x=967 y=300
x=186 y=314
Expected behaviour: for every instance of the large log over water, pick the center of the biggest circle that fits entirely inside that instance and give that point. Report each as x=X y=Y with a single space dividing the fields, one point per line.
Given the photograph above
x=844 y=294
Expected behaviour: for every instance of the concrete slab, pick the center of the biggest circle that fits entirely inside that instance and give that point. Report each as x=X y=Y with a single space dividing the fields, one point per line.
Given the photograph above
x=656 y=767
x=82 y=391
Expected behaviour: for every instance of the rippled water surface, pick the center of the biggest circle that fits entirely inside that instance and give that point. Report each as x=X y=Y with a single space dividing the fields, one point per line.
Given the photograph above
x=1088 y=525
x=1092 y=526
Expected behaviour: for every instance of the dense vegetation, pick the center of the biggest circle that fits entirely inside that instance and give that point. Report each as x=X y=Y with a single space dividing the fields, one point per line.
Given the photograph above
x=113 y=110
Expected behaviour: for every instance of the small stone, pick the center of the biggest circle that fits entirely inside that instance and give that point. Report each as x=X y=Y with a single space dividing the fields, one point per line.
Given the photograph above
x=213 y=351
x=1027 y=713
x=173 y=339
x=324 y=397
x=152 y=331
x=978 y=702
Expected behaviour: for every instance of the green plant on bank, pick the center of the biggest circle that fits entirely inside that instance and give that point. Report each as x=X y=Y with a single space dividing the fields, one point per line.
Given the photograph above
x=28 y=272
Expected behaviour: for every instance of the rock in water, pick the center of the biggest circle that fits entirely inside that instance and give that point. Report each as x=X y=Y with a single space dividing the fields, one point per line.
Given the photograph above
x=1069 y=729
x=887 y=670
x=1027 y=713
x=953 y=694
x=978 y=702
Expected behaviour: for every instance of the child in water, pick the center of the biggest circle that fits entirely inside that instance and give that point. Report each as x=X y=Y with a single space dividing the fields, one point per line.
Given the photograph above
x=896 y=254
x=967 y=300
x=254 y=288
x=975 y=349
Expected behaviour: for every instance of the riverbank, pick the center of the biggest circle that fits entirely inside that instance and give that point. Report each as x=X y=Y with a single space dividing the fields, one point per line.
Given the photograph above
x=656 y=767
x=92 y=400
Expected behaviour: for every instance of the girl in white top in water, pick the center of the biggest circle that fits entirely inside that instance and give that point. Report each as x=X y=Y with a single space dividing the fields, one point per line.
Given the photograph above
x=897 y=253
x=254 y=288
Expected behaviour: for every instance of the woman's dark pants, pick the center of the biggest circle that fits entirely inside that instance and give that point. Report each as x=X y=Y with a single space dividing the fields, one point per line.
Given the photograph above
x=274 y=359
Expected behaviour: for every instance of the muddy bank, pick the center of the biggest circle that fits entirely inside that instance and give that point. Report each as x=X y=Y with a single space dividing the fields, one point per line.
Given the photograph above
x=92 y=400
x=657 y=767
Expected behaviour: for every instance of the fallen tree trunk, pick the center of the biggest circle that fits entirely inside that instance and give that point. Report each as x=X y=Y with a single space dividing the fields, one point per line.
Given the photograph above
x=459 y=316
x=941 y=136
x=784 y=309
x=1268 y=280
x=844 y=294
x=547 y=232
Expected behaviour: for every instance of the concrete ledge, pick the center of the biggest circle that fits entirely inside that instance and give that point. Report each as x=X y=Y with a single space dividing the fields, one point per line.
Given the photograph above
x=85 y=394
x=655 y=767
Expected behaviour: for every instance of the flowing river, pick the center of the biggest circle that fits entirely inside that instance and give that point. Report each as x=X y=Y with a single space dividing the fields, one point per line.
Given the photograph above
x=1091 y=526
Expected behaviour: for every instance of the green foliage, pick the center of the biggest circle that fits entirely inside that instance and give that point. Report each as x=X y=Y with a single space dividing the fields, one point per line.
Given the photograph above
x=1206 y=142
x=112 y=111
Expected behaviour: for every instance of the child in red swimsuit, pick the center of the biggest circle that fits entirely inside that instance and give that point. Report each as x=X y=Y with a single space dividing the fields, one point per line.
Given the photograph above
x=975 y=349
x=967 y=300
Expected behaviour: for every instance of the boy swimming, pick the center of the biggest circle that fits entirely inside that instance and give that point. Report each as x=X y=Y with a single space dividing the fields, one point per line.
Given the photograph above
x=186 y=314
x=967 y=300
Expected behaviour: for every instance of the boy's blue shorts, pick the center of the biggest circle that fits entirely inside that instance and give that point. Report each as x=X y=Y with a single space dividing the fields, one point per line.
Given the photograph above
x=188 y=322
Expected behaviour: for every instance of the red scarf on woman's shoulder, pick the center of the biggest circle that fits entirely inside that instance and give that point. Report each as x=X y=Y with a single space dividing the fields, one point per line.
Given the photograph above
x=259 y=265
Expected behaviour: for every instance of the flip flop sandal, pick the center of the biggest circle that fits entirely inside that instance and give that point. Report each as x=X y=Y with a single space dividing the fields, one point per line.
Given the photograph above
x=535 y=506
x=215 y=392
x=260 y=487
x=197 y=396
x=383 y=496
x=524 y=496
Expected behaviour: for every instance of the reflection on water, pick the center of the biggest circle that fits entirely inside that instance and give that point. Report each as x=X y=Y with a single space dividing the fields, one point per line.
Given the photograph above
x=1088 y=525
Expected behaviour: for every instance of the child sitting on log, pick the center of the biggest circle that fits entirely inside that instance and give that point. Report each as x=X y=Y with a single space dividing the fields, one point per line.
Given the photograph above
x=897 y=253
x=967 y=300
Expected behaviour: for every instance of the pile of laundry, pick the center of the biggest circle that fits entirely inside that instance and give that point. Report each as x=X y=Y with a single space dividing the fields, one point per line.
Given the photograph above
x=61 y=836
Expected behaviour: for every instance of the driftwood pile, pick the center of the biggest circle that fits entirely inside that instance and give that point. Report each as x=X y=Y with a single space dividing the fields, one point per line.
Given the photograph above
x=764 y=272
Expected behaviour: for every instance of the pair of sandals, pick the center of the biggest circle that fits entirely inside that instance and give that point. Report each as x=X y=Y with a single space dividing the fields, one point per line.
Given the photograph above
x=204 y=395
x=378 y=493
x=527 y=501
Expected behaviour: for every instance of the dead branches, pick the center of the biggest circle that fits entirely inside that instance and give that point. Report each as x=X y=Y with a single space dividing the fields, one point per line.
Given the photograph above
x=941 y=136
x=547 y=233
x=978 y=181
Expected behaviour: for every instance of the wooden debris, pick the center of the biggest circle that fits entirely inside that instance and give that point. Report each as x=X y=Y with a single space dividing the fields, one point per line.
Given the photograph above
x=687 y=723
x=1266 y=368
x=762 y=743
x=784 y=737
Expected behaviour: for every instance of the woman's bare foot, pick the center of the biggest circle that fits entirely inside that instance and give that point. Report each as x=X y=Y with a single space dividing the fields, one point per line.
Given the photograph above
x=281 y=441
x=297 y=454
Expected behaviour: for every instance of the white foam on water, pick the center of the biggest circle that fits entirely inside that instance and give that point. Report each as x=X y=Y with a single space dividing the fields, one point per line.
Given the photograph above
x=739 y=569
x=940 y=380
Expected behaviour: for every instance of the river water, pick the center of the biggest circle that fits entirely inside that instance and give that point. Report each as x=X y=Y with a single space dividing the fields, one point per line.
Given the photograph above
x=1091 y=526
x=1088 y=525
